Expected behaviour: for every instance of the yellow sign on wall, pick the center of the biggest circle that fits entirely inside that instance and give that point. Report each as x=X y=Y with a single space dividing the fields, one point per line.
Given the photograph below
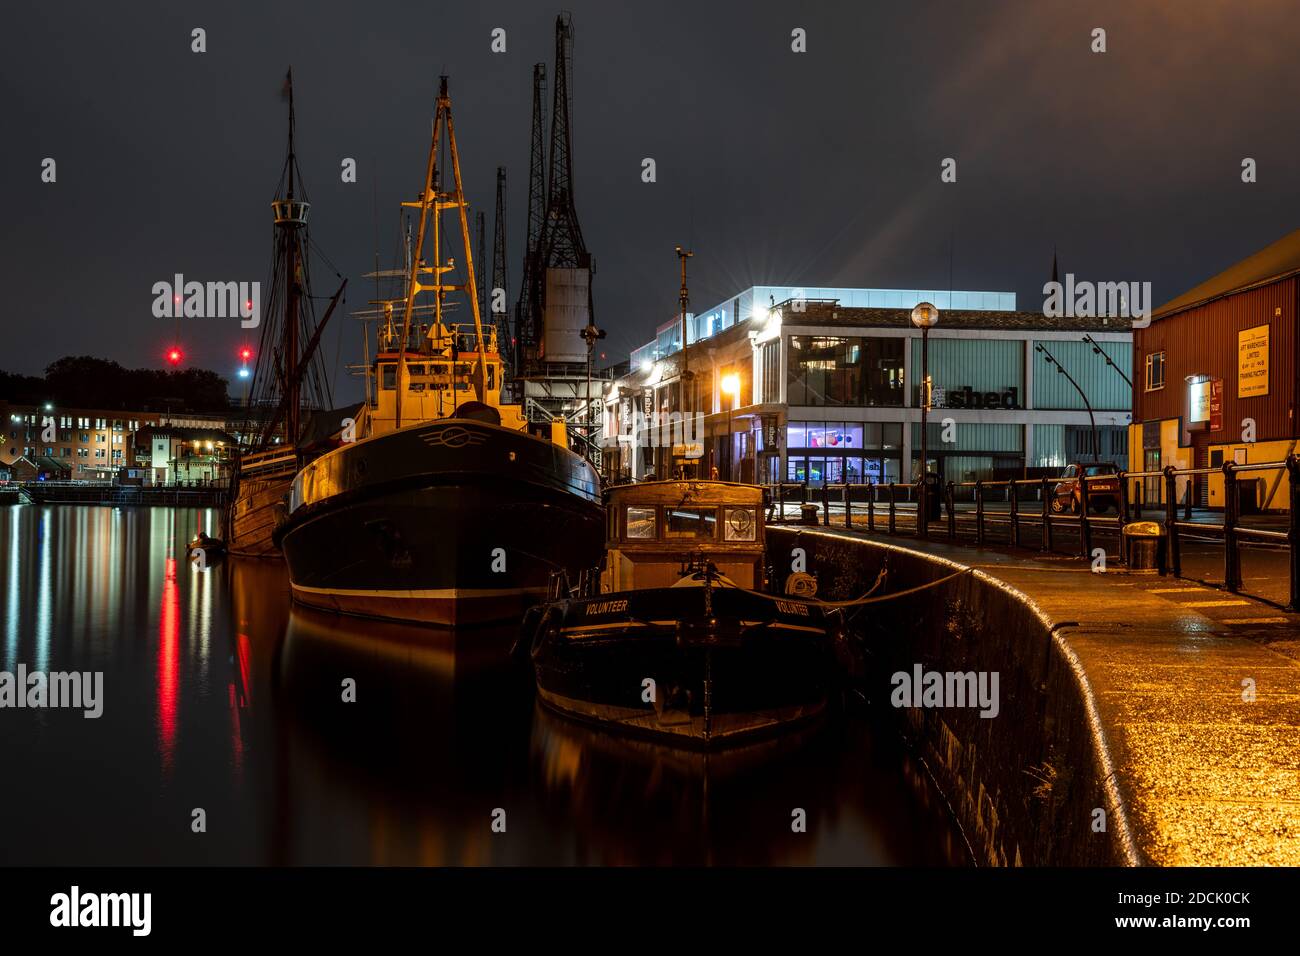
x=1252 y=362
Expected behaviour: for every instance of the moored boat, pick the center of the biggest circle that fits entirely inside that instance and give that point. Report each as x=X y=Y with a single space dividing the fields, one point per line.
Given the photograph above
x=445 y=509
x=679 y=637
x=289 y=377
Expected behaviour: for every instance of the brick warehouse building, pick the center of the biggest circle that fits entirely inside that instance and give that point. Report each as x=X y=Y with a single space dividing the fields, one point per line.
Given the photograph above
x=1216 y=360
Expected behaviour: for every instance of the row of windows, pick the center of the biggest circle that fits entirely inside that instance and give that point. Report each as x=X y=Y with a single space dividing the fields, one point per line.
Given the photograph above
x=836 y=469
x=100 y=437
x=844 y=436
x=72 y=421
x=697 y=524
x=462 y=372
x=28 y=451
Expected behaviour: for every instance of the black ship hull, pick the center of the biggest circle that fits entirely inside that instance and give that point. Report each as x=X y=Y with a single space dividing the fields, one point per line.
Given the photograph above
x=450 y=523
x=727 y=667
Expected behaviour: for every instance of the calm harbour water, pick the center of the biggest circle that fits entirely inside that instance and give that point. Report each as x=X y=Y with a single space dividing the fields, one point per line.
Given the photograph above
x=219 y=695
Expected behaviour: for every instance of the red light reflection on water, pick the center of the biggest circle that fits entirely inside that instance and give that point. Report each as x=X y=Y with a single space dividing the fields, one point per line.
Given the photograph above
x=239 y=697
x=169 y=622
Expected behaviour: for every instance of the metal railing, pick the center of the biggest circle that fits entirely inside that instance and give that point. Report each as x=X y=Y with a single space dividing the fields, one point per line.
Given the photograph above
x=864 y=503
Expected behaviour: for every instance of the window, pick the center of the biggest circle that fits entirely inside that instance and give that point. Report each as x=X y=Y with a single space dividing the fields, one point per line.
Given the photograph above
x=739 y=524
x=695 y=523
x=387 y=376
x=641 y=523
x=845 y=371
x=1155 y=371
x=771 y=363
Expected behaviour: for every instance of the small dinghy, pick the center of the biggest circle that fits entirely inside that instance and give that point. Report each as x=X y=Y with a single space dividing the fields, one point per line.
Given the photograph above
x=204 y=547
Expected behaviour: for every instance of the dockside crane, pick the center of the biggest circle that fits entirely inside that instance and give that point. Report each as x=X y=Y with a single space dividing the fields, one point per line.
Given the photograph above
x=527 y=320
x=500 y=318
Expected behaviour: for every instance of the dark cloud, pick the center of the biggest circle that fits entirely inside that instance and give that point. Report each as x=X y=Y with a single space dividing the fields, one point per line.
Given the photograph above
x=814 y=169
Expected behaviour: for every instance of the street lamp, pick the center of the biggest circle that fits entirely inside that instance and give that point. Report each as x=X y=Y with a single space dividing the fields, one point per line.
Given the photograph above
x=924 y=317
x=1050 y=359
x=730 y=388
x=1097 y=350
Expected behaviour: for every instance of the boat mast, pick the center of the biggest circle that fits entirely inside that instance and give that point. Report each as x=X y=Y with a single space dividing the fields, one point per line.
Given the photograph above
x=432 y=199
x=292 y=394
x=480 y=387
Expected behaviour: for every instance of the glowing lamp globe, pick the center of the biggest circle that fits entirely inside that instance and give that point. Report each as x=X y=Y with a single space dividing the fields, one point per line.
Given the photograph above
x=925 y=315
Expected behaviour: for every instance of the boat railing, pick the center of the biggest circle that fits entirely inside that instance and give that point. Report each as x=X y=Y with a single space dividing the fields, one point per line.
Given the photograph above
x=273 y=460
x=557 y=587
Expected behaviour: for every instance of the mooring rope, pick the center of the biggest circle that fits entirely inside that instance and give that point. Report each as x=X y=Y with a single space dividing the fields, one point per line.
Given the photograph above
x=865 y=599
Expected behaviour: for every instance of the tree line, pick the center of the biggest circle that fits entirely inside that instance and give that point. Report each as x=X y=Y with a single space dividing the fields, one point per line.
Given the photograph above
x=82 y=381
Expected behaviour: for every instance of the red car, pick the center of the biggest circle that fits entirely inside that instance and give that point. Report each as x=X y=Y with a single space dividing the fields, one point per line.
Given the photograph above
x=1103 y=488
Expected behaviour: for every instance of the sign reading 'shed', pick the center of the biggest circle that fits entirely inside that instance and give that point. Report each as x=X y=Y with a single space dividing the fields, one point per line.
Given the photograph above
x=1252 y=361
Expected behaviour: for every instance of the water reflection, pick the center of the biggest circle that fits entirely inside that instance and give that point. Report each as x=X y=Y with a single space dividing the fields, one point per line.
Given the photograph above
x=220 y=695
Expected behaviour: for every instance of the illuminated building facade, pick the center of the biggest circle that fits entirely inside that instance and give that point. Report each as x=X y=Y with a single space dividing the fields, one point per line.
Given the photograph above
x=830 y=392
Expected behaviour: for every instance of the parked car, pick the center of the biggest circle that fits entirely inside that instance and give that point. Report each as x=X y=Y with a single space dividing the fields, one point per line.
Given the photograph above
x=1103 y=491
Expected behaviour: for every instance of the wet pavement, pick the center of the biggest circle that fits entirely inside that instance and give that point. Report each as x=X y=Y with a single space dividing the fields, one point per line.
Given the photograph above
x=1198 y=693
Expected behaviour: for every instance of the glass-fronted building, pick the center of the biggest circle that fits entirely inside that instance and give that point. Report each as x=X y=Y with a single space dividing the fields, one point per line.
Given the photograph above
x=809 y=389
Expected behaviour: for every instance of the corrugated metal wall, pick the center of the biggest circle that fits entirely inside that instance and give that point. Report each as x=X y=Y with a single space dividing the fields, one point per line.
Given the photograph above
x=972 y=436
x=986 y=365
x=1203 y=341
x=1105 y=388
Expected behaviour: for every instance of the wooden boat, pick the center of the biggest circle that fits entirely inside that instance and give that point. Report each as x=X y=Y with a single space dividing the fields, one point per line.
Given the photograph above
x=289 y=379
x=679 y=637
x=259 y=501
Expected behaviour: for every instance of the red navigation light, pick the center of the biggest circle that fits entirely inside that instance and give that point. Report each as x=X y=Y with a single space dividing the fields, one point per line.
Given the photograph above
x=245 y=353
x=175 y=355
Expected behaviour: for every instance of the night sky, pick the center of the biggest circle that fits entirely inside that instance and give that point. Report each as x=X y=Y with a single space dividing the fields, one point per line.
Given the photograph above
x=820 y=168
